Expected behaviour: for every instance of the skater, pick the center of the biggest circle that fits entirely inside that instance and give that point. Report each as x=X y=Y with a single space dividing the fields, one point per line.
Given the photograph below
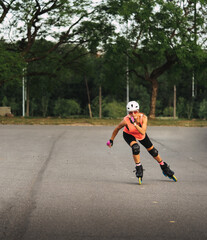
x=135 y=126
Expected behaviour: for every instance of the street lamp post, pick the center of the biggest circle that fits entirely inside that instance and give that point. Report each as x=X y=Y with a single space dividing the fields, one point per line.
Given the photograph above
x=23 y=93
x=127 y=72
x=127 y=80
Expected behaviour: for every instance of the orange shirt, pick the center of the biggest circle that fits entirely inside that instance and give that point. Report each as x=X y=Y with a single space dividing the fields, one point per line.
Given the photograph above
x=131 y=129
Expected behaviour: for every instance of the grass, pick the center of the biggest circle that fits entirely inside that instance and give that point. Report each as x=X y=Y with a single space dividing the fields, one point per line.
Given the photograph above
x=97 y=121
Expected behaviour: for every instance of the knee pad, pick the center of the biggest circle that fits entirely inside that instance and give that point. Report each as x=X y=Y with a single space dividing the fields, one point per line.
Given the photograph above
x=135 y=149
x=153 y=152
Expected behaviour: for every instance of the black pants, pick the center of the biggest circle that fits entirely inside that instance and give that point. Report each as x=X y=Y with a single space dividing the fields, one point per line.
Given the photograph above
x=145 y=142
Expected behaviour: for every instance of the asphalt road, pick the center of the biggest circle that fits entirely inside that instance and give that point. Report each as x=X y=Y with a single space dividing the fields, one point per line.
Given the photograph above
x=62 y=183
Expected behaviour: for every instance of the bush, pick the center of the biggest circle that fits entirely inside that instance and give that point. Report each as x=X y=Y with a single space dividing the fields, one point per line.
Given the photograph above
x=5 y=102
x=184 y=108
x=168 y=112
x=66 y=107
x=15 y=106
x=114 y=109
x=158 y=108
x=44 y=105
x=181 y=107
x=33 y=107
x=202 y=113
x=95 y=106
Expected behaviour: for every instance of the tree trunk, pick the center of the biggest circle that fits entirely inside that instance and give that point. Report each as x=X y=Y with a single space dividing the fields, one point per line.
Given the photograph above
x=174 y=103
x=153 y=98
x=89 y=100
x=27 y=111
x=100 y=102
x=153 y=76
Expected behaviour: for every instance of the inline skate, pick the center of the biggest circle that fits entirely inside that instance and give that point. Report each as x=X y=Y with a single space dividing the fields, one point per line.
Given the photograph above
x=168 y=172
x=139 y=173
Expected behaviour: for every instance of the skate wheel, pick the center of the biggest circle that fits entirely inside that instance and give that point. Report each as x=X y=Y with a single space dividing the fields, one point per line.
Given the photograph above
x=140 y=180
x=174 y=178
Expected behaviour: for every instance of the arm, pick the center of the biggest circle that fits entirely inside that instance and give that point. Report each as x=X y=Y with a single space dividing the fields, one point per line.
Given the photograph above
x=143 y=128
x=116 y=130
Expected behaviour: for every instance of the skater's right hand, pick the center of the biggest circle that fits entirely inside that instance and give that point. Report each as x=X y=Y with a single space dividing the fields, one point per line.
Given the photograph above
x=131 y=119
x=109 y=143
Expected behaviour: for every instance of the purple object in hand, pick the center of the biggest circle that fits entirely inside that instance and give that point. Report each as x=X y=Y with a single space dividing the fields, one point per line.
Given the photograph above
x=132 y=119
x=108 y=143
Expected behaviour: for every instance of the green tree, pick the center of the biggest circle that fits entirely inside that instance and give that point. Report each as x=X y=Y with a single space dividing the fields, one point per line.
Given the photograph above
x=5 y=8
x=203 y=109
x=75 y=23
x=161 y=33
x=11 y=63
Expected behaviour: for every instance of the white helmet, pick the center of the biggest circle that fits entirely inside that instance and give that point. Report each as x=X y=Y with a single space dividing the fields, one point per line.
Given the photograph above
x=132 y=106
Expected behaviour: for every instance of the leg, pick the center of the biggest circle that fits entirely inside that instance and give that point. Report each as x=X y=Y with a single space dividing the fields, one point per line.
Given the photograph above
x=135 y=152
x=151 y=149
x=131 y=140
